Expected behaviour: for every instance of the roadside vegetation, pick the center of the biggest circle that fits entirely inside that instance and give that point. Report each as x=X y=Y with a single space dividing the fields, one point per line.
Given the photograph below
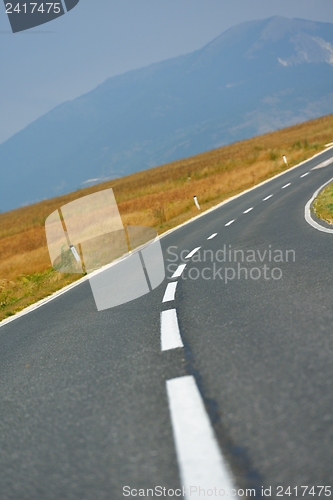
x=161 y=197
x=323 y=204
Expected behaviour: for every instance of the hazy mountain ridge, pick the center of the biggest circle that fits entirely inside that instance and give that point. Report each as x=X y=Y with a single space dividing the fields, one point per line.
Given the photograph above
x=256 y=77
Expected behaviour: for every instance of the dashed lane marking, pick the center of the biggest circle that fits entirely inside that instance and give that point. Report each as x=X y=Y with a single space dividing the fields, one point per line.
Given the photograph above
x=170 y=292
x=286 y=185
x=323 y=164
x=212 y=236
x=267 y=197
x=200 y=460
x=230 y=222
x=248 y=210
x=306 y=173
x=178 y=271
x=189 y=255
x=170 y=335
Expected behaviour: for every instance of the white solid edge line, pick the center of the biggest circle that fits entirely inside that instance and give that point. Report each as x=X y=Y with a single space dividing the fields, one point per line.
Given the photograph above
x=286 y=185
x=267 y=197
x=170 y=292
x=200 y=461
x=67 y=288
x=303 y=175
x=230 y=222
x=170 y=335
x=212 y=236
x=55 y=295
x=189 y=255
x=307 y=211
x=42 y=302
x=248 y=210
x=178 y=272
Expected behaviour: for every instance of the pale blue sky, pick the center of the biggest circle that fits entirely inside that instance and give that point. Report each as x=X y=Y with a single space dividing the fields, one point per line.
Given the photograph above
x=61 y=60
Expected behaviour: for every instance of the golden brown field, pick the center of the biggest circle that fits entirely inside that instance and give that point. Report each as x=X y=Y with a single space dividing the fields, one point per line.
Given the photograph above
x=161 y=197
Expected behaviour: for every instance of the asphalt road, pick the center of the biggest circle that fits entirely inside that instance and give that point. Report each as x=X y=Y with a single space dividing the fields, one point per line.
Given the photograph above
x=84 y=408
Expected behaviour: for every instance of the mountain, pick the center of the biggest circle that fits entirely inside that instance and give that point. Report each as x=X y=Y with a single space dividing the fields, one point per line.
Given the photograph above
x=256 y=77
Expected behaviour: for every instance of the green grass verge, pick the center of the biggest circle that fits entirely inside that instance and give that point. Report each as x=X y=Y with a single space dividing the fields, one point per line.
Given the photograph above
x=323 y=204
x=25 y=290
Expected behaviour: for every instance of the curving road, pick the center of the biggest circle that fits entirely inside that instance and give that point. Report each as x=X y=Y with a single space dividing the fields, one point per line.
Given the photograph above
x=220 y=377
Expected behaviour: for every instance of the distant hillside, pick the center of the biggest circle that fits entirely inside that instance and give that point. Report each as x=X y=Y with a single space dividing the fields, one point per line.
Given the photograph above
x=256 y=77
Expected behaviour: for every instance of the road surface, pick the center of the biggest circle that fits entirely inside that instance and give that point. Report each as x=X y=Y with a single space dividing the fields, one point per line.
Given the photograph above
x=89 y=399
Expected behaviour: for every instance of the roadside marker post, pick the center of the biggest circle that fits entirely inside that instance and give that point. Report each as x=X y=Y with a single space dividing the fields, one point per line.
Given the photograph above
x=196 y=202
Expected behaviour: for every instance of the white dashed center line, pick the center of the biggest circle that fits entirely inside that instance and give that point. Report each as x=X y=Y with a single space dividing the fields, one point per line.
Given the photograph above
x=323 y=164
x=170 y=335
x=189 y=255
x=200 y=460
x=170 y=292
x=201 y=463
x=212 y=236
x=178 y=271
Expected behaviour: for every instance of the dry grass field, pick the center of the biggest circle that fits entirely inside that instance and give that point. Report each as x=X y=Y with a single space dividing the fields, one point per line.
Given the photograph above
x=161 y=197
